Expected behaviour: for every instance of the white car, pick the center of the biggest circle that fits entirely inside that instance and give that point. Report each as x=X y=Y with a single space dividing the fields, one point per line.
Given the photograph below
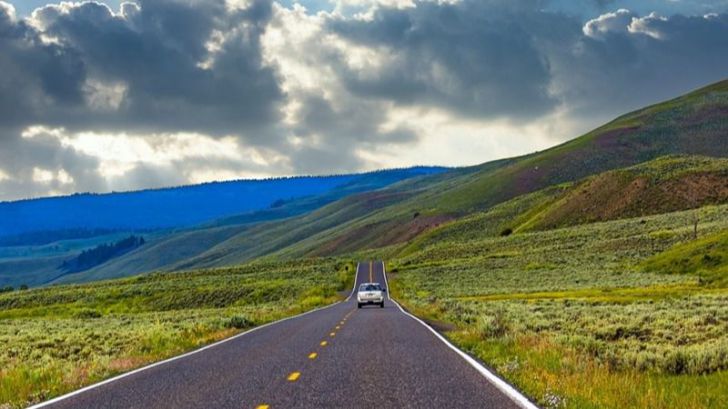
x=370 y=293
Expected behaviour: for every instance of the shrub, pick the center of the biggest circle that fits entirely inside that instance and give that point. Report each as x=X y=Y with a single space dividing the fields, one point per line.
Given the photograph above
x=87 y=314
x=506 y=232
x=239 y=322
x=494 y=326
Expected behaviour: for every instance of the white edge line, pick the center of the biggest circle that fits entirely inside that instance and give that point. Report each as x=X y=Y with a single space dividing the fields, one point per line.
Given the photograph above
x=174 y=358
x=356 y=277
x=499 y=383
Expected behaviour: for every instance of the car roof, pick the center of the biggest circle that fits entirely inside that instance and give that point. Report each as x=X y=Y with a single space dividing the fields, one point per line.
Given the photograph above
x=368 y=284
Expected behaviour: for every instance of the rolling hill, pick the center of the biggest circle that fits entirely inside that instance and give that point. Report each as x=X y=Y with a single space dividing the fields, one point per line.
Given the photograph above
x=664 y=185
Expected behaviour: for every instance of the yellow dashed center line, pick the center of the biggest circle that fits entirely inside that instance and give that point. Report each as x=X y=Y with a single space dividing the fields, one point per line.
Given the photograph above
x=371 y=270
x=294 y=376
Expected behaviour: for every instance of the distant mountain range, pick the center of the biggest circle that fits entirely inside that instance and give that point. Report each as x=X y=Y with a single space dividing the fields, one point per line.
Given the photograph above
x=83 y=215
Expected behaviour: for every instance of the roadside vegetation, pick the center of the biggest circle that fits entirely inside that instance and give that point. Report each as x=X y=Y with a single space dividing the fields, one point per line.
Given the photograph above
x=625 y=313
x=57 y=339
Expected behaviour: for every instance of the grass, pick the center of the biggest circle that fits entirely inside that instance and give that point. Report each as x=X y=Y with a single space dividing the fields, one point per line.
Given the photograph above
x=617 y=314
x=706 y=258
x=560 y=377
x=57 y=339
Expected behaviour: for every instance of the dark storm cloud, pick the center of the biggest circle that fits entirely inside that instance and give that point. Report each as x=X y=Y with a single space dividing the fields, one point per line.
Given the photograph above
x=156 y=51
x=145 y=69
x=341 y=129
x=625 y=61
x=481 y=59
x=603 y=3
x=349 y=121
x=36 y=79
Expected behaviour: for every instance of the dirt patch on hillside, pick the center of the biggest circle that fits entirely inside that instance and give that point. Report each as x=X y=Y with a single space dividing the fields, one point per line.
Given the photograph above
x=615 y=196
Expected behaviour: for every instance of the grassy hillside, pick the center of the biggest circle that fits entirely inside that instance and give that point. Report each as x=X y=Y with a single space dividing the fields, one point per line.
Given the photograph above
x=34 y=265
x=221 y=246
x=56 y=339
x=696 y=124
x=160 y=252
x=706 y=259
x=241 y=238
x=662 y=185
x=617 y=314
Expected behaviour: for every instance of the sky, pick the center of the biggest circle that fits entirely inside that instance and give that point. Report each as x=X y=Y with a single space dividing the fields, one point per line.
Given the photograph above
x=114 y=96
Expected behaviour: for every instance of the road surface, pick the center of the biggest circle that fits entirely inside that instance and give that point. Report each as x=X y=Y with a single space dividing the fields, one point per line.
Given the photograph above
x=336 y=357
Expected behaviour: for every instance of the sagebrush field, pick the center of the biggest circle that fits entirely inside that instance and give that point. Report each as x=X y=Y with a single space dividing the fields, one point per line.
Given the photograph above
x=56 y=339
x=627 y=313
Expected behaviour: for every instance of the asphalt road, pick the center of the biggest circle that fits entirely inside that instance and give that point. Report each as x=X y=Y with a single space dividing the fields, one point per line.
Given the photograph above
x=337 y=357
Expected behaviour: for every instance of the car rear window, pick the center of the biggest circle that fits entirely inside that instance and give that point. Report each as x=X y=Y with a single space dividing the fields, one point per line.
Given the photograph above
x=369 y=287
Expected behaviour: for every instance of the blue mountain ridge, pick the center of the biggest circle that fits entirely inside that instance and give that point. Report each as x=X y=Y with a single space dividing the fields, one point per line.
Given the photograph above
x=177 y=207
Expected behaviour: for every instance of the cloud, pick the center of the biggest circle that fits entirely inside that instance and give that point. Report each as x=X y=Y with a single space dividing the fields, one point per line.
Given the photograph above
x=174 y=91
x=189 y=65
x=612 y=22
x=625 y=61
x=40 y=165
x=326 y=124
x=161 y=67
x=478 y=59
x=515 y=61
x=58 y=161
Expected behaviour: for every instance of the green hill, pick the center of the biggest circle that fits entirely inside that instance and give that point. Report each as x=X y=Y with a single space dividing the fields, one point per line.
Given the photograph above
x=706 y=258
x=663 y=185
x=695 y=124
